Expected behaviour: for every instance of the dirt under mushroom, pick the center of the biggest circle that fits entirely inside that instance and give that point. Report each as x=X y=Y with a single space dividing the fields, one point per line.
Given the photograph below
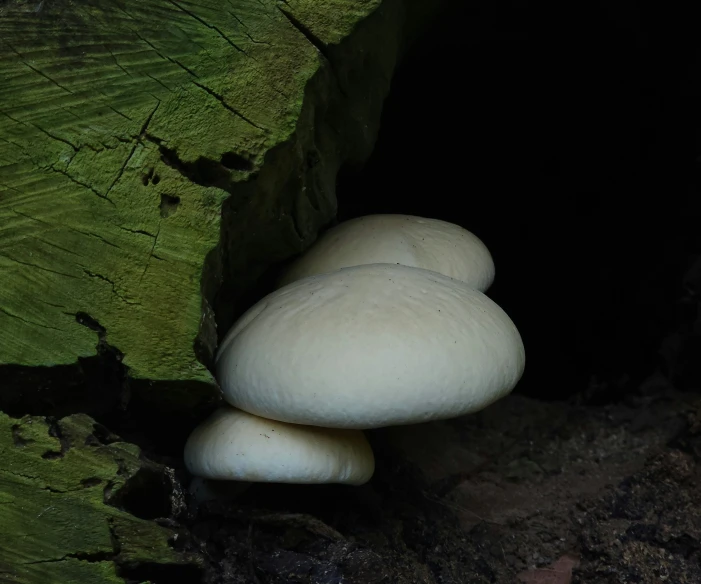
x=525 y=491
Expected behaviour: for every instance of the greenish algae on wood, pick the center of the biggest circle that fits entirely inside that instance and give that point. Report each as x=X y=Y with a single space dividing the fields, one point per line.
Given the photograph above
x=151 y=150
x=123 y=129
x=56 y=525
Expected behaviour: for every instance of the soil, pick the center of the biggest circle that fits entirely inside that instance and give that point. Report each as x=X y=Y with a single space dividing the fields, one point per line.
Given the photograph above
x=525 y=491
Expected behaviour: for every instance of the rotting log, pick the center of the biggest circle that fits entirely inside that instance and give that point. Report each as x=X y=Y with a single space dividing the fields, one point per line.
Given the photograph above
x=61 y=483
x=156 y=156
x=152 y=150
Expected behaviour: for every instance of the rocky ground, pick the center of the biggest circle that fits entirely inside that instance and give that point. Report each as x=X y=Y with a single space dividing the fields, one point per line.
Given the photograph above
x=526 y=491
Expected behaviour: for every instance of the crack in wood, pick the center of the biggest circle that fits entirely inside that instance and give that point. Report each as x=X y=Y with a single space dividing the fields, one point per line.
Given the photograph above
x=37 y=71
x=221 y=100
x=38 y=267
x=165 y=57
x=210 y=26
x=82 y=184
x=111 y=283
x=137 y=231
x=150 y=255
x=29 y=322
x=121 y=170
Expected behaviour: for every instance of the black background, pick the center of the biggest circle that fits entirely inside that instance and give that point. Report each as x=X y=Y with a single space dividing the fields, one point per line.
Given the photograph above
x=566 y=138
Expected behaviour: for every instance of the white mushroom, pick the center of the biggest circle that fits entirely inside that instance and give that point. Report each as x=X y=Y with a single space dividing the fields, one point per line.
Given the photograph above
x=398 y=239
x=235 y=445
x=370 y=346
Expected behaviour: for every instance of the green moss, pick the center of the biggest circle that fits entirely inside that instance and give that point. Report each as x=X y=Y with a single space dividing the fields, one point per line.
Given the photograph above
x=334 y=24
x=238 y=116
x=91 y=95
x=56 y=526
x=149 y=151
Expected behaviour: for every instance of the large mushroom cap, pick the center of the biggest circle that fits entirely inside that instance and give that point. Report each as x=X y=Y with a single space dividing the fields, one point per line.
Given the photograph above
x=370 y=346
x=235 y=445
x=398 y=239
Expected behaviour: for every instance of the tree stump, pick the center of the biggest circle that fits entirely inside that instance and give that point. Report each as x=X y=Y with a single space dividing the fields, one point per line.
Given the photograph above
x=156 y=156
x=151 y=150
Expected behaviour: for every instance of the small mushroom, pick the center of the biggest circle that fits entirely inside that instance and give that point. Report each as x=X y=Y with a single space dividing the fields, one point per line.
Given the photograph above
x=411 y=241
x=370 y=346
x=236 y=446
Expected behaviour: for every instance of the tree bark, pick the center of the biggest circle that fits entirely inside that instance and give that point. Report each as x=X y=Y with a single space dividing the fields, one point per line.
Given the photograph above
x=151 y=150
x=64 y=490
x=156 y=156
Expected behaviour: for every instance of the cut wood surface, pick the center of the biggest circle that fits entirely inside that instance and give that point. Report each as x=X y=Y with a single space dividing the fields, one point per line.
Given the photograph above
x=58 y=481
x=146 y=144
x=156 y=156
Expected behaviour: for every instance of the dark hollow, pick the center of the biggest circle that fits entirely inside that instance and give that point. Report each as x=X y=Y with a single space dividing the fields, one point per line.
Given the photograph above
x=568 y=142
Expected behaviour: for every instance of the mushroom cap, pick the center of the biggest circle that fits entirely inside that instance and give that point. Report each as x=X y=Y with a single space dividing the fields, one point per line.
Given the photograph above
x=235 y=445
x=370 y=346
x=411 y=241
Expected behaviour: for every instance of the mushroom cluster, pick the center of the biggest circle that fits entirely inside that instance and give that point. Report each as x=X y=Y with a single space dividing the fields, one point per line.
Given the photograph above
x=384 y=321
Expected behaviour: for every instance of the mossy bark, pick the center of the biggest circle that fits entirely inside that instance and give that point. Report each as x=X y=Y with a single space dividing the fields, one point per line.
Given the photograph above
x=146 y=144
x=156 y=156
x=60 y=484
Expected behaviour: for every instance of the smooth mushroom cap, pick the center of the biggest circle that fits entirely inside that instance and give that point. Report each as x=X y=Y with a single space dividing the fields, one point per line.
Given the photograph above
x=411 y=241
x=370 y=346
x=234 y=445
